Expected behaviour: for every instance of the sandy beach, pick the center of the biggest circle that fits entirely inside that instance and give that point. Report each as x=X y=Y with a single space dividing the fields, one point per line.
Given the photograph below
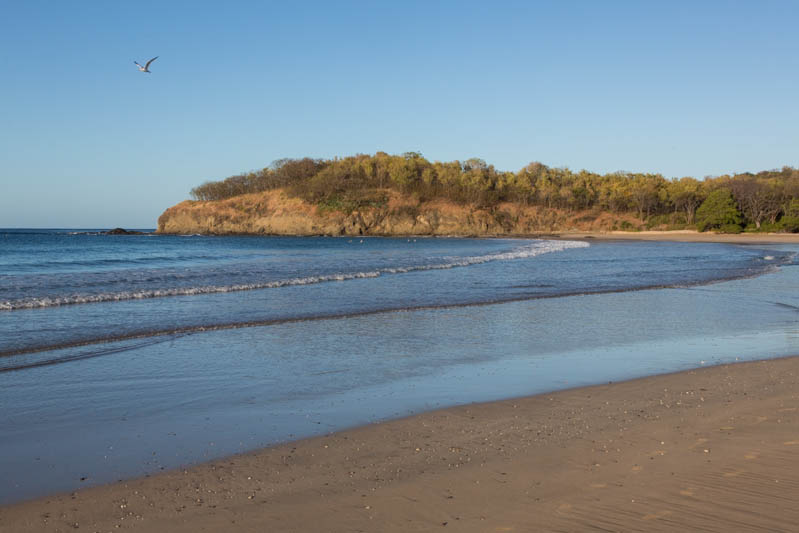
x=713 y=449
x=399 y=267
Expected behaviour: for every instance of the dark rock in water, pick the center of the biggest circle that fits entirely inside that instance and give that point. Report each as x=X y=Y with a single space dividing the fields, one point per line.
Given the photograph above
x=122 y=231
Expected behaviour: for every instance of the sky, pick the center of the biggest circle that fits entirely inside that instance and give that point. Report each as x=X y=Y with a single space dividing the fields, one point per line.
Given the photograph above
x=681 y=88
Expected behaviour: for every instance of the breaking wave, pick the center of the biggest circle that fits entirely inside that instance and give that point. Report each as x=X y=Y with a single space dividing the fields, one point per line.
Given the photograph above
x=522 y=252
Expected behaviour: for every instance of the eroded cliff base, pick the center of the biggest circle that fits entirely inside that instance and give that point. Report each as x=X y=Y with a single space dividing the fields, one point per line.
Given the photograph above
x=276 y=213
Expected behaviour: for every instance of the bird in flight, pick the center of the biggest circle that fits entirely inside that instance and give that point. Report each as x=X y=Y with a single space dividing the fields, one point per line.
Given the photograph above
x=146 y=67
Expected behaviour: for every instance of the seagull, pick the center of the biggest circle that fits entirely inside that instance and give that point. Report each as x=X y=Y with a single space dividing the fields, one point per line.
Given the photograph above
x=146 y=67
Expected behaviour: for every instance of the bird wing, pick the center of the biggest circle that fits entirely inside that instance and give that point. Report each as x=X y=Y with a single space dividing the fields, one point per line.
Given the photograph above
x=150 y=61
x=136 y=63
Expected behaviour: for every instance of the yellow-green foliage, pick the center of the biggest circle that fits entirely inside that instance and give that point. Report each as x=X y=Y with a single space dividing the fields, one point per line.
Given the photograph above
x=352 y=182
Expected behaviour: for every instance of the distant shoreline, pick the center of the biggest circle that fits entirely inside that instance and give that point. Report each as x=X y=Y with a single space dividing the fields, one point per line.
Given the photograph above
x=651 y=235
x=666 y=236
x=683 y=236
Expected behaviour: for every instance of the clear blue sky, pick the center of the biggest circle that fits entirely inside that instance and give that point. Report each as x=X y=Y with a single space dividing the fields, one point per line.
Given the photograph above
x=86 y=140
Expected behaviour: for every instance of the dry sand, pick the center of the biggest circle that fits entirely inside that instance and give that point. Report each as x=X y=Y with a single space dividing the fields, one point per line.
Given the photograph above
x=715 y=449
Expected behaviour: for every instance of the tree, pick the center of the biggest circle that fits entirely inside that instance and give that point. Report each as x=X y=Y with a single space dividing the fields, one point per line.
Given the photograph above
x=769 y=195
x=644 y=193
x=719 y=211
x=685 y=195
x=614 y=192
x=759 y=199
x=790 y=219
x=448 y=176
x=288 y=171
x=403 y=172
x=479 y=181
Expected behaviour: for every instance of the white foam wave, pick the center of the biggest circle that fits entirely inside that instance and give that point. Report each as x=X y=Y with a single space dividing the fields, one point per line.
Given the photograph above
x=522 y=252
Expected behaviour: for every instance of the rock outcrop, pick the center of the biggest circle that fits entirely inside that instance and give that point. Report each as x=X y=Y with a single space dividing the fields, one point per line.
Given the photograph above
x=276 y=213
x=123 y=231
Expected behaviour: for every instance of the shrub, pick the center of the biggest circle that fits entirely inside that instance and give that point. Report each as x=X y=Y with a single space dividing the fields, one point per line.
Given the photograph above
x=765 y=227
x=730 y=228
x=790 y=220
x=789 y=224
x=719 y=211
x=669 y=221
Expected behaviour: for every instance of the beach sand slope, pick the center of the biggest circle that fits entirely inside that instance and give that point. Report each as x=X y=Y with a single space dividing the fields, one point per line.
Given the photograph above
x=715 y=449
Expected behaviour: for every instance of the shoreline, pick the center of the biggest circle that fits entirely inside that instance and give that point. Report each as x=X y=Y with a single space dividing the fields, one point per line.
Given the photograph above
x=685 y=236
x=648 y=235
x=713 y=447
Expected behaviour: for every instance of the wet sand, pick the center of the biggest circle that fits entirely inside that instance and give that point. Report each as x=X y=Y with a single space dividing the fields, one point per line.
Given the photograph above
x=714 y=449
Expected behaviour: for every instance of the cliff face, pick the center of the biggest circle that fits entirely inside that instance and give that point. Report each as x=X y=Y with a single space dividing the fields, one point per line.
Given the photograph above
x=275 y=213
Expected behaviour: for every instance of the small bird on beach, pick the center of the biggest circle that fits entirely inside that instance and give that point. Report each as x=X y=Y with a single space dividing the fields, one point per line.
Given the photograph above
x=146 y=67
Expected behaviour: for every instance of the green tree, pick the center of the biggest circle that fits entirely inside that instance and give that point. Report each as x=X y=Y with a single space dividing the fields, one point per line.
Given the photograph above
x=790 y=220
x=719 y=211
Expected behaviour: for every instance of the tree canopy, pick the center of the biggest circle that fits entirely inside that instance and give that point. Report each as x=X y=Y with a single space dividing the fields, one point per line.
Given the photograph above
x=766 y=200
x=720 y=212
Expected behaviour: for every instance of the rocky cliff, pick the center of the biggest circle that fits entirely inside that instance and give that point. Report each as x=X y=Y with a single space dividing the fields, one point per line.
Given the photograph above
x=276 y=213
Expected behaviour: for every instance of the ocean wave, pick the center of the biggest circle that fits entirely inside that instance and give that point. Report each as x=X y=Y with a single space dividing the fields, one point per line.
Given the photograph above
x=522 y=252
x=113 y=262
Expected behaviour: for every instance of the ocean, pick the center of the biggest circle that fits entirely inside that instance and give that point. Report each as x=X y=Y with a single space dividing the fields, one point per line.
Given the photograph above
x=123 y=355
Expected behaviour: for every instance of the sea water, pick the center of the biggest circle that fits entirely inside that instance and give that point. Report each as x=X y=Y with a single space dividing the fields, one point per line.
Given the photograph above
x=125 y=355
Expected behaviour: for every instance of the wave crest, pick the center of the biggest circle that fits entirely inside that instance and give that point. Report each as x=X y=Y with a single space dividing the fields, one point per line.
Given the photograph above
x=523 y=252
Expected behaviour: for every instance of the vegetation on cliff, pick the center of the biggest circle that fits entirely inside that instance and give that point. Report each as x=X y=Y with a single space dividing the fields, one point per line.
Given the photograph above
x=765 y=201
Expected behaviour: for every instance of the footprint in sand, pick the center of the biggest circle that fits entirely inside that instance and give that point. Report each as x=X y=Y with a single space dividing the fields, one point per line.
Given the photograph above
x=687 y=492
x=564 y=508
x=698 y=442
x=734 y=473
x=752 y=455
x=636 y=468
